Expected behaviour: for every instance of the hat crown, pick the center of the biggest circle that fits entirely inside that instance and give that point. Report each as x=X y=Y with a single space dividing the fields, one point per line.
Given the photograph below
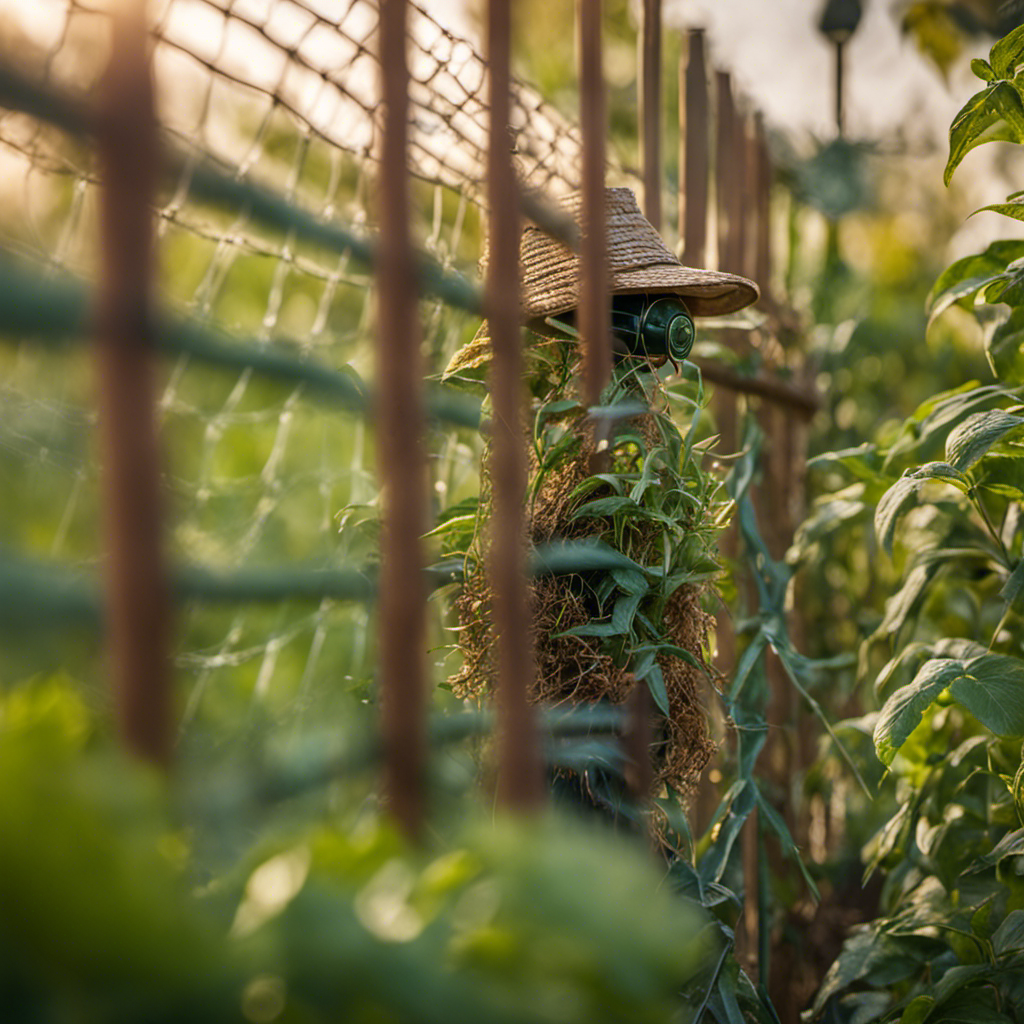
x=638 y=261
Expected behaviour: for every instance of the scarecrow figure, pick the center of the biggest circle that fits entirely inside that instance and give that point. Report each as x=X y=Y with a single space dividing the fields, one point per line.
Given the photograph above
x=599 y=633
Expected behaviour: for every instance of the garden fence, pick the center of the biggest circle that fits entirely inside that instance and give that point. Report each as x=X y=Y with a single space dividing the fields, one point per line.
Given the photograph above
x=295 y=157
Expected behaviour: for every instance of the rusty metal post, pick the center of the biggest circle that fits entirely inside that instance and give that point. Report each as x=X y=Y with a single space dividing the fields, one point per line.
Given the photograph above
x=594 y=312
x=137 y=618
x=693 y=160
x=400 y=447
x=520 y=774
x=650 y=109
x=637 y=745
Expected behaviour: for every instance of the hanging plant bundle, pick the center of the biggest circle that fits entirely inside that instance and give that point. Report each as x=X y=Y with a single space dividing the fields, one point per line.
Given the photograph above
x=634 y=614
x=600 y=632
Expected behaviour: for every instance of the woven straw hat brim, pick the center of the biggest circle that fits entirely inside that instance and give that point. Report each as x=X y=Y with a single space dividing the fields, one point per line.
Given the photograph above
x=638 y=262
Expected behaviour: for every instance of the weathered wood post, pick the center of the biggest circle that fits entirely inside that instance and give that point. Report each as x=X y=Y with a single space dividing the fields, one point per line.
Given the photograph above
x=136 y=616
x=400 y=445
x=520 y=774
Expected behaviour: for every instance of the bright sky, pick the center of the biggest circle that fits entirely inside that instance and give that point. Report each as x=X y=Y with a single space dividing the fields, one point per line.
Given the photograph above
x=779 y=58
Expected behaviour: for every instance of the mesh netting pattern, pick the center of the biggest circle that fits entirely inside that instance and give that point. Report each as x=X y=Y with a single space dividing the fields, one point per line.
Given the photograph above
x=283 y=93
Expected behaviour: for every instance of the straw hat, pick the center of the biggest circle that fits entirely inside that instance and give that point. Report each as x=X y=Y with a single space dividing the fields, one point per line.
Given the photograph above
x=638 y=261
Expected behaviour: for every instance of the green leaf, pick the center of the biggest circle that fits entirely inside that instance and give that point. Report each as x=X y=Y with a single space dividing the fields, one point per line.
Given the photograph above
x=656 y=684
x=983 y=69
x=560 y=558
x=975 y=270
x=972 y=438
x=956 y=977
x=1013 y=589
x=895 y=500
x=1009 y=936
x=1013 y=210
x=1007 y=54
x=992 y=689
x=1011 y=845
x=904 y=710
x=994 y=114
x=624 y=612
x=1003 y=347
x=917 y=1010
x=605 y=507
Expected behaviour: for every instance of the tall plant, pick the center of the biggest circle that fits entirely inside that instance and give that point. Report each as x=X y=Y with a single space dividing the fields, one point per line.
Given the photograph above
x=946 y=495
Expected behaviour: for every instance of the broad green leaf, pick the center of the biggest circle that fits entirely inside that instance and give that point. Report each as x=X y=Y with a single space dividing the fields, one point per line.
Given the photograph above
x=900 y=605
x=904 y=710
x=865 y=1007
x=972 y=438
x=917 y=1010
x=977 y=267
x=860 y=953
x=1009 y=936
x=959 y=293
x=1013 y=589
x=1011 y=845
x=563 y=557
x=994 y=114
x=1003 y=347
x=895 y=500
x=992 y=689
x=1007 y=54
x=968 y=1007
x=956 y=977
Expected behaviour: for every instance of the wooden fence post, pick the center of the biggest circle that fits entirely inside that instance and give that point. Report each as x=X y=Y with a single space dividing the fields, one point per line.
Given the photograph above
x=137 y=618
x=694 y=158
x=400 y=444
x=593 y=308
x=650 y=109
x=520 y=775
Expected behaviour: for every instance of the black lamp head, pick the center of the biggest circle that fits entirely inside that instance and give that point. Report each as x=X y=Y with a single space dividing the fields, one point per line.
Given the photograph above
x=655 y=327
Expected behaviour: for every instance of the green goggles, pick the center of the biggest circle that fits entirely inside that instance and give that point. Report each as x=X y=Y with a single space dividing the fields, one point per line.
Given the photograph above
x=644 y=325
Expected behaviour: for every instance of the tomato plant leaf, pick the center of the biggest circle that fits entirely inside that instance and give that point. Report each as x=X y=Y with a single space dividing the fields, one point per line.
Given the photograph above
x=895 y=500
x=1009 y=936
x=903 y=711
x=1007 y=54
x=992 y=689
x=972 y=438
x=996 y=114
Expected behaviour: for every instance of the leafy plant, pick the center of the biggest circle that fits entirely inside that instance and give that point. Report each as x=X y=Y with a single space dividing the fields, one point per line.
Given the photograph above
x=946 y=492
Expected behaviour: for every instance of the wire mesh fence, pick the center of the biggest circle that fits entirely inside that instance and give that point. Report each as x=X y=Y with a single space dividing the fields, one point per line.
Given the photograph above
x=271 y=137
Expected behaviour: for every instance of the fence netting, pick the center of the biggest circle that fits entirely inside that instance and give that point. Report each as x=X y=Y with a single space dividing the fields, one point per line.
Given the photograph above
x=261 y=472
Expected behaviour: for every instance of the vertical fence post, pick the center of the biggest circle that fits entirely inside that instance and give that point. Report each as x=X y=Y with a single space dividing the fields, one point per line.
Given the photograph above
x=400 y=445
x=693 y=161
x=520 y=778
x=762 y=264
x=137 y=619
x=730 y=151
x=728 y=176
x=650 y=109
x=593 y=310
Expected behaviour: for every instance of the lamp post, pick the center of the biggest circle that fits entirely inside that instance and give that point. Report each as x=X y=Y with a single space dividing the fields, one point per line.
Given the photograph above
x=839 y=20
